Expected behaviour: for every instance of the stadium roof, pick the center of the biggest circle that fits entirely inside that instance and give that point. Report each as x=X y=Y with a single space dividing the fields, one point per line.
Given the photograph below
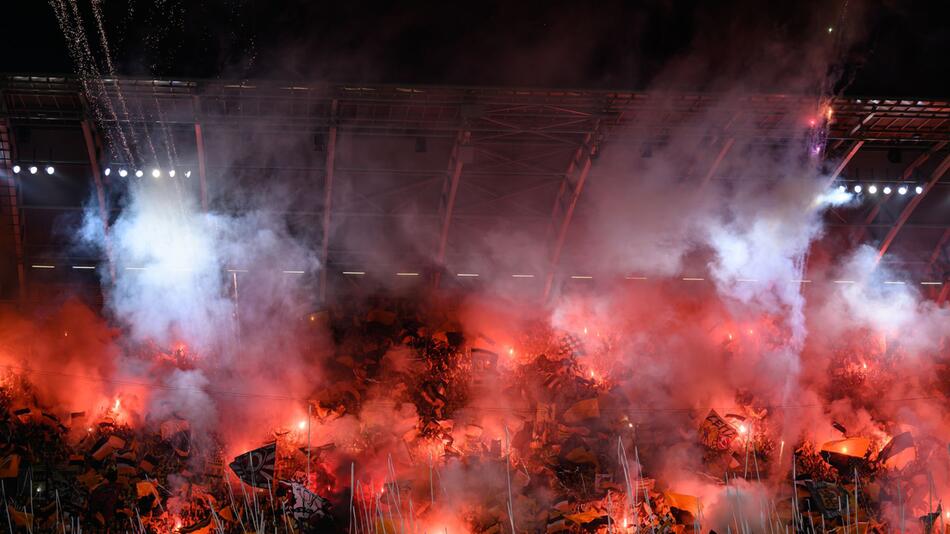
x=458 y=160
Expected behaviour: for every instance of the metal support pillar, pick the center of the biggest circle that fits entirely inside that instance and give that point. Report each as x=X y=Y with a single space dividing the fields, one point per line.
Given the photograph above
x=87 y=135
x=566 y=202
x=450 y=189
x=328 y=200
x=202 y=166
x=912 y=205
x=12 y=202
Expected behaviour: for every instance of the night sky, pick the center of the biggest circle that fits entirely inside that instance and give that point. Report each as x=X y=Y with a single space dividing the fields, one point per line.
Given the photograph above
x=881 y=48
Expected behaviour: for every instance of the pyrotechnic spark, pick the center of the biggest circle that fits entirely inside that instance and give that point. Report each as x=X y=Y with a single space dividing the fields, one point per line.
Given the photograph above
x=302 y=425
x=743 y=429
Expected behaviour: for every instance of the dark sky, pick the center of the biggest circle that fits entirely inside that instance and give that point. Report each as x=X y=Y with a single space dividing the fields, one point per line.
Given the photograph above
x=882 y=48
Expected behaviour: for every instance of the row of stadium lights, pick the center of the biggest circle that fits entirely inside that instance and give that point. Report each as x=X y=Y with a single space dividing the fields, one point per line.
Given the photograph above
x=887 y=190
x=121 y=171
x=33 y=169
x=155 y=172
x=476 y=275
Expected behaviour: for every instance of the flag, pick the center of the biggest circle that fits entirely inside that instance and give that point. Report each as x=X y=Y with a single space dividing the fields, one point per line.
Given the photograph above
x=256 y=468
x=201 y=527
x=582 y=410
x=716 y=433
x=10 y=466
x=571 y=345
x=854 y=447
x=895 y=446
x=307 y=504
x=687 y=503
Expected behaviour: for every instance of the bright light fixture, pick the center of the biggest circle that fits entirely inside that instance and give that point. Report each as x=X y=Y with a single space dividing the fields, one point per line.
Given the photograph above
x=16 y=169
x=902 y=190
x=857 y=188
x=33 y=169
x=887 y=190
x=872 y=189
x=156 y=173
x=171 y=173
x=123 y=173
x=139 y=173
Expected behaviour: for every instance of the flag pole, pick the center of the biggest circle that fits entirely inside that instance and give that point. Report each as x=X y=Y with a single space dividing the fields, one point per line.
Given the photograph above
x=309 y=408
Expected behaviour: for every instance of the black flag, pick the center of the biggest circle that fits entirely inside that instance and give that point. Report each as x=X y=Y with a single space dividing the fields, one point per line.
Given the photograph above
x=256 y=468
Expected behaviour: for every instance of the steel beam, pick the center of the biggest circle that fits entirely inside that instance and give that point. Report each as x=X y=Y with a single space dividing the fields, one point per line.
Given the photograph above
x=450 y=189
x=100 y=191
x=921 y=159
x=12 y=202
x=912 y=205
x=726 y=146
x=566 y=202
x=202 y=166
x=844 y=161
x=944 y=293
x=328 y=201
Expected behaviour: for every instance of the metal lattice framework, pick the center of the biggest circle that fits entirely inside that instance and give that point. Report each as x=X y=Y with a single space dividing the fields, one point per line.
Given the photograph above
x=459 y=157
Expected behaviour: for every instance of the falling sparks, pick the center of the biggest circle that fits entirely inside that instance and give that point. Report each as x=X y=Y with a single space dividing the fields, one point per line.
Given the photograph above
x=302 y=425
